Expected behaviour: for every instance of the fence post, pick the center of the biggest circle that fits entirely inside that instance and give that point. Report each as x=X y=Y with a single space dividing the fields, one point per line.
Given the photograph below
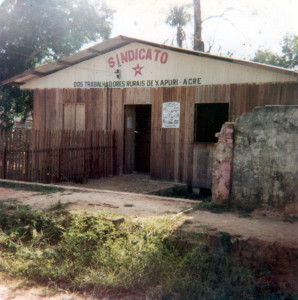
x=91 y=170
x=5 y=155
x=27 y=163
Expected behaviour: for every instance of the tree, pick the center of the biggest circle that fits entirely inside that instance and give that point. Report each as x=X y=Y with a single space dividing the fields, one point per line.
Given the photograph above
x=198 y=42
x=34 y=32
x=178 y=17
x=289 y=58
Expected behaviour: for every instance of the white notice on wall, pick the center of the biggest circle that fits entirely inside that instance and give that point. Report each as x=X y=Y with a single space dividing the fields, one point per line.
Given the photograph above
x=171 y=115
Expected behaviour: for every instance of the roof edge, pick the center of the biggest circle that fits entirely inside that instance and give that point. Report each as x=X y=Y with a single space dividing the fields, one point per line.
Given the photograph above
x=92 y=52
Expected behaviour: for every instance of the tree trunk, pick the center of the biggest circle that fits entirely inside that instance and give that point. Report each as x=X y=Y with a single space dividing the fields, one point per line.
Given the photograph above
x=198 y=43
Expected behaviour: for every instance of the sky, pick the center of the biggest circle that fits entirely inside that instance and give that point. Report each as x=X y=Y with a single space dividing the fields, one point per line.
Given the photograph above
x=247 y=26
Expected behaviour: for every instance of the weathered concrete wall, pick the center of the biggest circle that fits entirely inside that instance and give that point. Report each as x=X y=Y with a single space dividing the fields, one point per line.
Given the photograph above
x=266 y=159
x=222 y=165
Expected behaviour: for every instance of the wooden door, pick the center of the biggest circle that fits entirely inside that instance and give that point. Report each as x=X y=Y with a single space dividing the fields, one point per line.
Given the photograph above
x=137 y=138
x=143 y=138
x=202 y=165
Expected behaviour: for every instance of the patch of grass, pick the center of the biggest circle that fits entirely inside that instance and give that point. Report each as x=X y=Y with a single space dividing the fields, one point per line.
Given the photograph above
x=128 y=205
x=58 y=206
x=43 y=190
x=88 y=252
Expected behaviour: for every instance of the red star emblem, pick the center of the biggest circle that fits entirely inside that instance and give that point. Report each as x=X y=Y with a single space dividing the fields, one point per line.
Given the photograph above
x=138 y=70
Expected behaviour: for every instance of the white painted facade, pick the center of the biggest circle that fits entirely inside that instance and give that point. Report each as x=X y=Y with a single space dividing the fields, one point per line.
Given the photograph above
x=140 y=65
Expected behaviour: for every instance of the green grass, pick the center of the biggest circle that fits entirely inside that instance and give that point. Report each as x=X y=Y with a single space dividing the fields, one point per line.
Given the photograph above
x=58 y=206
x=42 y=190
x=87 y=252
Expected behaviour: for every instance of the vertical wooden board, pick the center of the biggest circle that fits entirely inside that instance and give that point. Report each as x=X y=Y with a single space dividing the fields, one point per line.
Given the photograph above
x=255 y=98
x=190 y=134
x=266 y=94
x=80 y=116
x=117 y=126
x=292 y=91
x=153 y=134
x=49 y=108
x=247 y=98
x=227 y=95
x=156 y=132
x=69 y=116
x=105 y=108
x=234 y=103
x=187 y=128
x=198 y=94
x=261 y=94
x=42 y=101
x=89 y=115
x=177 y=139
x=285 y=94
x=86 y=97
x=93 y=105
x=136 y=96
x=59 y=110
x=183 y=125
x=275 y=94
x=36 y=109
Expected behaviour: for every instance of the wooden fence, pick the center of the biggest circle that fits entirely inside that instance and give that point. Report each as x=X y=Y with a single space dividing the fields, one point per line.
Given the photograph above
x=55 y=156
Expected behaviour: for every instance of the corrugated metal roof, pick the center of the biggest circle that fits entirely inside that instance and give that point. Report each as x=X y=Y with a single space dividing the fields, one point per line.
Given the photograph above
x=116 y=43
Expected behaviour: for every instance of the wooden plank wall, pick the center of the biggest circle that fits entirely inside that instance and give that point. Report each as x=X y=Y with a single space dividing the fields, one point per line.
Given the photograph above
x=173 y=154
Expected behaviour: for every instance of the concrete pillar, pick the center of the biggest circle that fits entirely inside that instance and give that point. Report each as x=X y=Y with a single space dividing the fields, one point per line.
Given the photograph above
x=222 y=165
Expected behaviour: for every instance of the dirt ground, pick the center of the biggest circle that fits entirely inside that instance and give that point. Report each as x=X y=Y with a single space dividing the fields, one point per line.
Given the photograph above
x=87 y=197
x=133 y=183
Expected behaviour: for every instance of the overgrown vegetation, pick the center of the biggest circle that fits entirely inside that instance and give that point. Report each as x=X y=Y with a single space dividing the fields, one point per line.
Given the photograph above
x=41 y=189
x=88 y=252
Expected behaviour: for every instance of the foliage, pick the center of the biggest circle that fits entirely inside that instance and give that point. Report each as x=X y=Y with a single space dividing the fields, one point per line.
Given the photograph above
x=83 y=251
x=178 y=17
x=289 y=58
x=33 y=32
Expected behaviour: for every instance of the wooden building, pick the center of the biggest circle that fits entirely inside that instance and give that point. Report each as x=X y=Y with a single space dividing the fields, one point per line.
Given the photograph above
x=164 y=103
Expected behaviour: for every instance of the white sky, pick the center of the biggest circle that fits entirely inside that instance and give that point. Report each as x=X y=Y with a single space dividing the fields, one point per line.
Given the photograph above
x=253 y=24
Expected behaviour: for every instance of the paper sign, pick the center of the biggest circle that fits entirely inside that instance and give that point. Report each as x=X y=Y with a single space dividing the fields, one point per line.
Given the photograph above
x=171 y=115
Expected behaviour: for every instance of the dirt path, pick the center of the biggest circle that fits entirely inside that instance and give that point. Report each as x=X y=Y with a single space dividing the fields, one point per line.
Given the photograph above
x=140 y=205
x=13 y=289
x=133 y=183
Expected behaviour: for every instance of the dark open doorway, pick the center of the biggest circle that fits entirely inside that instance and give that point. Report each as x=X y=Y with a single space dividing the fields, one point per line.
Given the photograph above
x=137 y=138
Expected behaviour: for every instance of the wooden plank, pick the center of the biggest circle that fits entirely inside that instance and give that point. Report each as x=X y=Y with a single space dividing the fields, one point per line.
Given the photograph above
x=80 y=116
x=36 y=109
x=69 y=116
x=117 y=126
x=183 y=126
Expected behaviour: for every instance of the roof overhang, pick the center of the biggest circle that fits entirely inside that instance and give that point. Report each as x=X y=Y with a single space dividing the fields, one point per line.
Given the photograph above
x=115 y=43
